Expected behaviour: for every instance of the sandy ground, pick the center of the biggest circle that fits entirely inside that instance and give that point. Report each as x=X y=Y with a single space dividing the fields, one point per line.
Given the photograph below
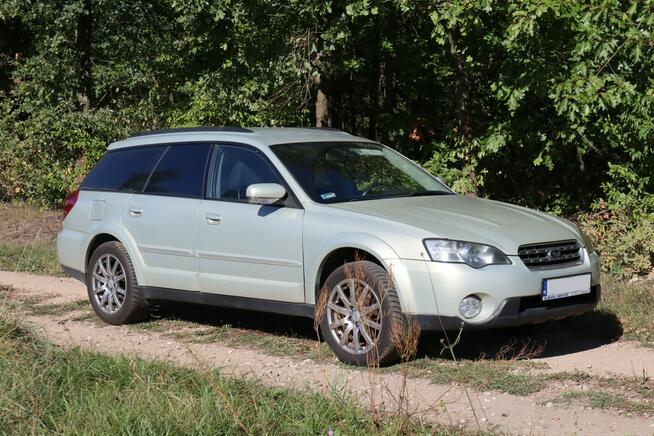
x=447 y=404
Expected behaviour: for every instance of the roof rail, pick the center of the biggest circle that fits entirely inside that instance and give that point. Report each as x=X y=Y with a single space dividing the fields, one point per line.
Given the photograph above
x=331 y=129
x=193 y=129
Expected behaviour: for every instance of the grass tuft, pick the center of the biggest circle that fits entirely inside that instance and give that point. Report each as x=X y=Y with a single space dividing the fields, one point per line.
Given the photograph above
x=504 y=376
x=602 y=399
x=59 y=308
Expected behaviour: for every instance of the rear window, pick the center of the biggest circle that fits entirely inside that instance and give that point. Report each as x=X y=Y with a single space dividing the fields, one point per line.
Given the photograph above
x=181 y=171
x=123 y=169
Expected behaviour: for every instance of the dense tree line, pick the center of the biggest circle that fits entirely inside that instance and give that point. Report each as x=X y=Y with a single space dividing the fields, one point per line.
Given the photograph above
x=547 y=103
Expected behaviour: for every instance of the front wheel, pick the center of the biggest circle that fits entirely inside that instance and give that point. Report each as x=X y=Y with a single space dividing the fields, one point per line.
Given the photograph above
x=362 y=317
x=112 y=287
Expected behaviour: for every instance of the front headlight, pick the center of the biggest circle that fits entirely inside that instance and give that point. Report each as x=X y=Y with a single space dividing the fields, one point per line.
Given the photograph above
x=470 y=253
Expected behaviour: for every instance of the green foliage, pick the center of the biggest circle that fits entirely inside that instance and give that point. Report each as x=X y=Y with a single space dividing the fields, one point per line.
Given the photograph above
x=544 y=103
x=622 y=229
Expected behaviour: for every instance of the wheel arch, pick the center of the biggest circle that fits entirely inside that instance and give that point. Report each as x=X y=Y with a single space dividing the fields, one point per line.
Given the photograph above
x=346 y=248
x=108 y=235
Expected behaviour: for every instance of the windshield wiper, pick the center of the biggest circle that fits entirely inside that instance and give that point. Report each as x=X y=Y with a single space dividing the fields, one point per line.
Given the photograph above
x=426 y=193
x=394 y=195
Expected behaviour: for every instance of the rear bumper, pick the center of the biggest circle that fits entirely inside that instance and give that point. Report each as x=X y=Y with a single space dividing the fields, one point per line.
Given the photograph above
x=518 y=311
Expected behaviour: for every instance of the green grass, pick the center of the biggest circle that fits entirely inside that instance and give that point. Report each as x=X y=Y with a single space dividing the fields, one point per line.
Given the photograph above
x=31 y=258
x=511 y=377
x=59 y=308
x=44 y=389
x=602 y=399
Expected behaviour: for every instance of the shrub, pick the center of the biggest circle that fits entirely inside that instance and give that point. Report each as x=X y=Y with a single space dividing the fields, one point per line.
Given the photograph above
x=622 y=230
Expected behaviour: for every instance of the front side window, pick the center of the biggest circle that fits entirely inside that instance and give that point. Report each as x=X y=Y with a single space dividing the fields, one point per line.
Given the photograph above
x=180 y=172
x=123 y=170
x=350 y=171
x=234 y=169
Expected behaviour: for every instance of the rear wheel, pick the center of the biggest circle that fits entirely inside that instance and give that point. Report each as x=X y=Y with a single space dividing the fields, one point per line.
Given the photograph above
x=362 y=314
x=112 y=286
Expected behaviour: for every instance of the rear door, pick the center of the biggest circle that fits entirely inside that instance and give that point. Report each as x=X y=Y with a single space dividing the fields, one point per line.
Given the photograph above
x=162 y=218
x=246 y=249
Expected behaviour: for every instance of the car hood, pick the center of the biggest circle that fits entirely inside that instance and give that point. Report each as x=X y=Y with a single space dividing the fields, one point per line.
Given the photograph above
x=502 y=225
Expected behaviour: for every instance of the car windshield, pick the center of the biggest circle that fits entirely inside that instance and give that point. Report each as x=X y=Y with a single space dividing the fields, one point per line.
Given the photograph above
x=352 y=171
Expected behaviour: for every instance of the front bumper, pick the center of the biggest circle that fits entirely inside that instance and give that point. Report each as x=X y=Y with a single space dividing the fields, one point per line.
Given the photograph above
x=430 y=292
x=518 y=311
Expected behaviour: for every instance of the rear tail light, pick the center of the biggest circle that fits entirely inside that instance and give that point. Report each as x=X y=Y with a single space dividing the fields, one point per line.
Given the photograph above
x=70 y=202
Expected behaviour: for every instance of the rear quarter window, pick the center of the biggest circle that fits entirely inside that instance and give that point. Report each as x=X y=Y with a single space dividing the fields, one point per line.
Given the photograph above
x=123 y=170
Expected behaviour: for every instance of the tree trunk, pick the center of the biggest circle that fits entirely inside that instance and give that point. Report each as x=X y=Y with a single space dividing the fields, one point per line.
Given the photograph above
x=389 y=62
x=390 y=100
x=323 y=113
x=83 y=47
x=373 y=108
x=462 y=102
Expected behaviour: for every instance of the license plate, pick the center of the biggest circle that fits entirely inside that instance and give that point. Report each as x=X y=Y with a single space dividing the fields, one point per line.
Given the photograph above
x=562 y=287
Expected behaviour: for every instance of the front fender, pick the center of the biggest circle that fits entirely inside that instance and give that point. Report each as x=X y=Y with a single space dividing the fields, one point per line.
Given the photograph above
x=411 y=280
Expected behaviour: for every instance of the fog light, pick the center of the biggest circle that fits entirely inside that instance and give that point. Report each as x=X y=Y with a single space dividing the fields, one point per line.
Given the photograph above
x=470 y=306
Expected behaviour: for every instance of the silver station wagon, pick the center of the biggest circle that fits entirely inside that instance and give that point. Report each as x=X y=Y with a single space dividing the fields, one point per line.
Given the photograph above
x=314 y=222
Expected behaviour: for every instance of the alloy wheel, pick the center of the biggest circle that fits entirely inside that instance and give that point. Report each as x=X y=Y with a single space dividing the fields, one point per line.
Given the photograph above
x=354 y=316
x=109 y=283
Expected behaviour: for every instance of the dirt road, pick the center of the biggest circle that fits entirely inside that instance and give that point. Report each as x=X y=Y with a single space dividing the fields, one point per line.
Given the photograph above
x=447 y=404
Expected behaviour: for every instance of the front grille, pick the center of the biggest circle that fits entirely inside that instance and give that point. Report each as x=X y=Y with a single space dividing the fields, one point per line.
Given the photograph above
x=550 y=253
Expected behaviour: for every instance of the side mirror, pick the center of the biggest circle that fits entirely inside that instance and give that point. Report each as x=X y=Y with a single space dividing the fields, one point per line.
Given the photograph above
x=265 y=193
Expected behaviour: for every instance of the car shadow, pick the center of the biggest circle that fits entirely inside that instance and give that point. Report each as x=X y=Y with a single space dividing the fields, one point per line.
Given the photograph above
x=243 y=319
x=552 y=338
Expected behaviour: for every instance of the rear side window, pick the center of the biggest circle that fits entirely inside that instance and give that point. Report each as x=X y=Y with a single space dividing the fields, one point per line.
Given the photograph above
x=180 y=171
x=123 y=170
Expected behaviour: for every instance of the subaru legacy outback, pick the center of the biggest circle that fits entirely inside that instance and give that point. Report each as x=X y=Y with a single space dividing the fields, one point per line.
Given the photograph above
x=314 y=222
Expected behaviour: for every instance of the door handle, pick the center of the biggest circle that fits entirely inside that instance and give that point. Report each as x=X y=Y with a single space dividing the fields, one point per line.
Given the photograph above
x=135 y=212
x=213 y=219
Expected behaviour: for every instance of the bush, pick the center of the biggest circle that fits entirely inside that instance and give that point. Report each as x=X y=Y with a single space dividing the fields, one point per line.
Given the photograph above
x=46 y=156
x=622 y=230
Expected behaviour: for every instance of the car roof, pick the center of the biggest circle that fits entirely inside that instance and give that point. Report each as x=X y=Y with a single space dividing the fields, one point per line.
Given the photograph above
x=256 y=136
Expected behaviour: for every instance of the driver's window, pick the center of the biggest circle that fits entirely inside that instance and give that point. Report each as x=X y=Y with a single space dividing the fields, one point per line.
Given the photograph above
x=234 y=169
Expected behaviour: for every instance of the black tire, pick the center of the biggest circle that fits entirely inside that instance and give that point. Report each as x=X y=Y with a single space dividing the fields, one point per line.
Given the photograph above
x=133 y=307
x=384 y=351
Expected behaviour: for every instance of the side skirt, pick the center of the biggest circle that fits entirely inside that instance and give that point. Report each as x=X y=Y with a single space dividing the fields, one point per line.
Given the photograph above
x=79 y=275
x=293 y=309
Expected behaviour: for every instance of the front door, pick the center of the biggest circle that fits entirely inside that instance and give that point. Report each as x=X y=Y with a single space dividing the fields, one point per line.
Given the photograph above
x=245 y=249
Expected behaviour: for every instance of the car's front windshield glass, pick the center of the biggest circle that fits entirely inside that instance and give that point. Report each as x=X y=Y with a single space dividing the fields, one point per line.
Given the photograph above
x=332 y=172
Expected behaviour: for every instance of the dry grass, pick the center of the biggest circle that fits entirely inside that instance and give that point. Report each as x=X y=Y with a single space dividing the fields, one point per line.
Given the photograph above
x=27 y=239
x=22 y=224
